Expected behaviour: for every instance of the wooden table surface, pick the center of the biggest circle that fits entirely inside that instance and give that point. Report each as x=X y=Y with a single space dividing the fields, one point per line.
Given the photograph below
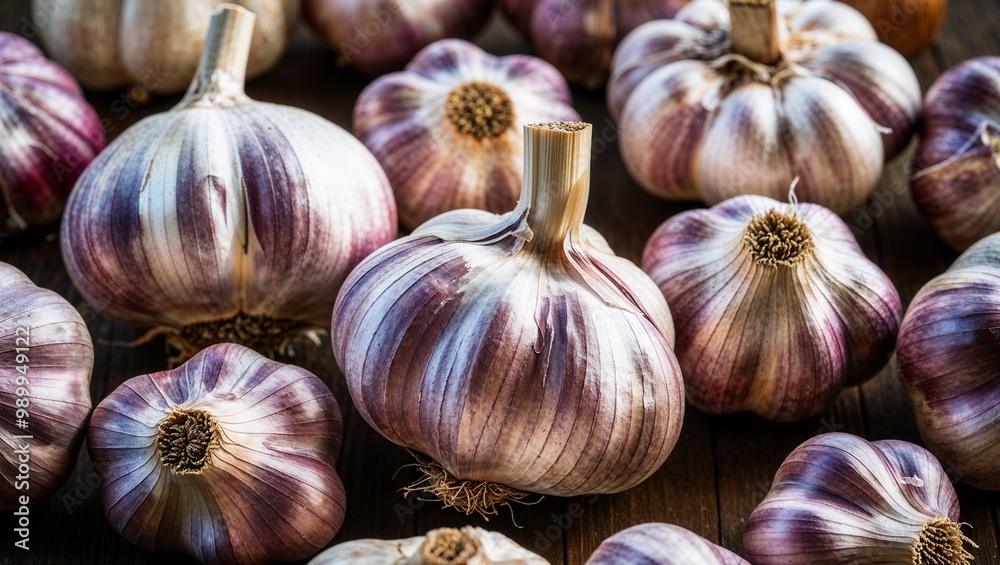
x=722 y=466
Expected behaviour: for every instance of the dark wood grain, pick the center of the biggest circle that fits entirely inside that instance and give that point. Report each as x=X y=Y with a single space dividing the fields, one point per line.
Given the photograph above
x=722 y=467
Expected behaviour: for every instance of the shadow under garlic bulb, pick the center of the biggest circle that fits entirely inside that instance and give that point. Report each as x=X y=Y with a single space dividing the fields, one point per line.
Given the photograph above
x=661 y=544
x=776 y=306
x=226 y=219
x=501 y=346
x=229 y=459
x=949 y=360
x=46 y=356
x=801 y=89
x=447 y=130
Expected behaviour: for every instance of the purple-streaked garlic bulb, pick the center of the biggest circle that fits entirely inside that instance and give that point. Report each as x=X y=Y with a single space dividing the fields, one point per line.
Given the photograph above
x=48 y=136
x=379 y=36
x=445 y=546
x=801 y=89
x=957 y=181
x=949 y=354
x=662 y=544
x=497 y=345
x=226 y=219
x=776 y=306
x=580 y=36
x=46 y=356
x=448 y=129
x=839 y=500
x=228 y=458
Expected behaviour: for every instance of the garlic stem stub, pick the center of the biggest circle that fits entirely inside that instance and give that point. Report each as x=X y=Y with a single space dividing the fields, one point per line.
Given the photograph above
x=949 y=351
x=46 y=356
x=445 y=546
x=48 y=136
x=839 y=500
x=776 y=306
x=742 y=97
x=230 y=458
x=661 y=544
x=447 y=130
x=516 y=352
x=226 y=219
x=956 y=181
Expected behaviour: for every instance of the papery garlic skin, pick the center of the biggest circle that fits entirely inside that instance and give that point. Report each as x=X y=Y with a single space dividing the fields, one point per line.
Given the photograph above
x=46 y=357
x=701 y=121
x=776 y=338
x=949 y=346
x=421 y=125
x=580 y=36
x=153 y=45
x=663 y=544
x=225 y=210
x=48 y=136
x=499 y=346
x=838 y=499
x=376 y=37
x=956 y=182
x=266 y=490
x=468 y=546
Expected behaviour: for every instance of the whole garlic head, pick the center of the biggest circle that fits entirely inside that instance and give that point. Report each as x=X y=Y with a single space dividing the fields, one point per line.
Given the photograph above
x=47 y=356
x=949 y=346
x=445 y=546
x=448 y=129
x=802 y=89
x=662 y=544
x=225 y=219
x=229 y=459
x=838 y=499
x=498 y=346
x=776 y=306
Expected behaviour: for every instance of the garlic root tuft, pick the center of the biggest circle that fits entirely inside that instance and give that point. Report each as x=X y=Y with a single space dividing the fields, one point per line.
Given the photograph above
x=186 y=440
x=468 y=497
x=480 y=110
x=941 y=543
x=776 y=238
x=264 y=334
x=449 y=546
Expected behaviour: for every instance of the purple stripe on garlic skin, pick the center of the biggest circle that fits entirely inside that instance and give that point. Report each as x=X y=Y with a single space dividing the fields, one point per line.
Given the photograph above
x=267 y=490
x=58 y=356
x=839 y=499
x=956 y=183
x=48 y=136
x=777 y=340
x=833 y=108
x=948 y=354
x=661 y=544
x=434 y=166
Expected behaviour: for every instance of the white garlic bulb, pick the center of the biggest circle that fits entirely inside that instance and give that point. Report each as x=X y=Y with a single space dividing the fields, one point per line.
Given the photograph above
x=447 y=130
x=742 y=97
x=445 y=546
x=661 y=544
x=225 y=219
x=499 y=346
x=776 y=306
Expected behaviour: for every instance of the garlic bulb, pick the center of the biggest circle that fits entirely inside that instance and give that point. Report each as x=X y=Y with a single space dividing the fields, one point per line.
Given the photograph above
x=499 y=346
x=447 y=130
x=225 y=219
x=839 y=500
x=957 y=181
x=949 y=345
x=47 y=357
x=663 y=544
x=579 y=36
x=776 y=306
x=802 y=89
x=48 y=136
x=228 y=458
x=908 y=26
x=375 y=36
x=446 y=546
x=152 y=45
